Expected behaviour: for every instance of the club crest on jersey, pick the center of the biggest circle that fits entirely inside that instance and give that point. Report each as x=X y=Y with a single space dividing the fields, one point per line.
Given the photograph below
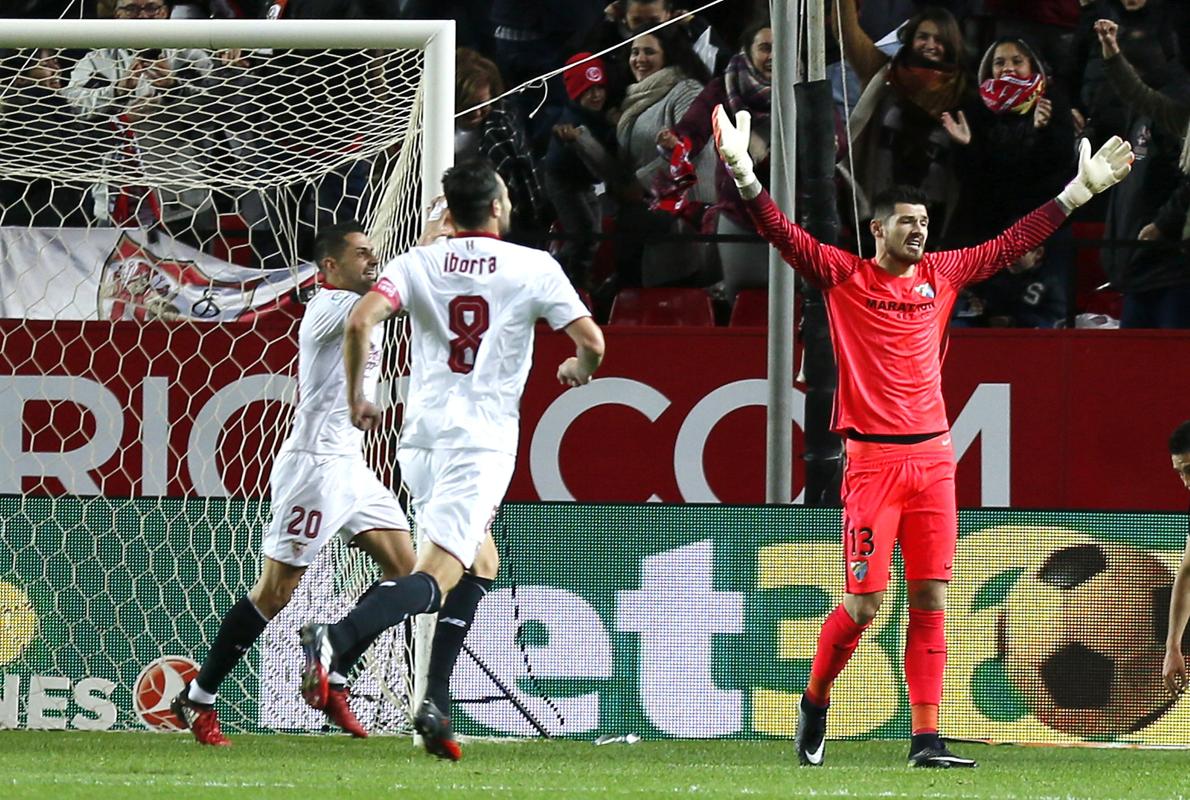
x=925 y=290
x=859 y=569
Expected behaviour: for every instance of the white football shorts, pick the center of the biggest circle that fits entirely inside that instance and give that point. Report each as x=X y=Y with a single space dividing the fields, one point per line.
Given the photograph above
x=456 y=494
x=315 y=497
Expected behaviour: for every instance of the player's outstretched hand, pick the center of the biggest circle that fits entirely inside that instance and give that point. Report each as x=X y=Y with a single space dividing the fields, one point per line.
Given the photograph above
x=365 y=415
x=1097 y=173
x=571 y=374
x=1173 y=671
x=731 y=140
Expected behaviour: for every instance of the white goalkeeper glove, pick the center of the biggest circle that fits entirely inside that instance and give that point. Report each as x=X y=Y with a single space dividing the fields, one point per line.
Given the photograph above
x=1097 y=173
x=732 y=143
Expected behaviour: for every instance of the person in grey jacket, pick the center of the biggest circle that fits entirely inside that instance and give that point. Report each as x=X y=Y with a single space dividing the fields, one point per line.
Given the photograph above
x=667 y=77
x=666 y=80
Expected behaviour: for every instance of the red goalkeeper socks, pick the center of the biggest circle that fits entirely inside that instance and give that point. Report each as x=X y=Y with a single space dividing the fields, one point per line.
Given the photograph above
x=837 y=641
x=925 y=662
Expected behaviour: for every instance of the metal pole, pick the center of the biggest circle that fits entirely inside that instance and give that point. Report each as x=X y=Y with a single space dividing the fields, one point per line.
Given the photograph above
x=816 y=191
x=782 y=156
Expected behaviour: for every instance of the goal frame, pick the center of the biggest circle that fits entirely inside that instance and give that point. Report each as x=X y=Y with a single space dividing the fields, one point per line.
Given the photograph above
x=436 y=38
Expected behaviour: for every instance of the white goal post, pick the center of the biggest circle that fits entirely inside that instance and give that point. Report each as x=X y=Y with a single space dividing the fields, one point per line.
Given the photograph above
x=151 y=257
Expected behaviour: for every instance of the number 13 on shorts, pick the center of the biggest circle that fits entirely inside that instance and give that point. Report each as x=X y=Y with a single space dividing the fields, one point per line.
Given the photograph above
x=866 y=569
x=861 y=542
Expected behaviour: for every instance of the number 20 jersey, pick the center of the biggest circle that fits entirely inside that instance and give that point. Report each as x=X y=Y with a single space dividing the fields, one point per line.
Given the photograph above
x=473 y=301
x=321 y=422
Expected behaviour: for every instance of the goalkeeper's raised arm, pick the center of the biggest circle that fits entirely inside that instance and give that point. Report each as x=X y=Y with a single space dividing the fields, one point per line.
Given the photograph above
x=828 y=266
x=823 y=265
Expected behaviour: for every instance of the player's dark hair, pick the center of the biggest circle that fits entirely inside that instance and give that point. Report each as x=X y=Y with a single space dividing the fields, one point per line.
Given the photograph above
x=885 y=201
x=955 y=51
x=1179 y=440
x=470 y=188
x=331 y=240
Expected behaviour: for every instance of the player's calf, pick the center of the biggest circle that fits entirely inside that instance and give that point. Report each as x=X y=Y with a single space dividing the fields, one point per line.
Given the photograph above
x=199 y=718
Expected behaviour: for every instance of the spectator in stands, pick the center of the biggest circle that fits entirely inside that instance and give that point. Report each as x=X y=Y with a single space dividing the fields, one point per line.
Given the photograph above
x=1172 y=222
x=139 y=98
x=531 y=38
x=323 y=9
x=34 y=114
x=624 y=19
x=1014 y=155
x=1047 y=26
x=897 y=132
x=493 y=132
x=1031 y=293
x=667 y=76
x=569 y=181
x=1148 y=38
x=473 y=24
x=215 y=9
x=50 y=9
x=745 y=86
x=1155 y=279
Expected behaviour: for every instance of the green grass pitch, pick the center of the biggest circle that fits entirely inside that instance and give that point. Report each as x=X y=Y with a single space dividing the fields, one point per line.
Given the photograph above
x=135 y=765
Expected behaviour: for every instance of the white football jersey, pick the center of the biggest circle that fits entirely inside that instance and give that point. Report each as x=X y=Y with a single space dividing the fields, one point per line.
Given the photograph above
x=473 y=302
x=321 y=423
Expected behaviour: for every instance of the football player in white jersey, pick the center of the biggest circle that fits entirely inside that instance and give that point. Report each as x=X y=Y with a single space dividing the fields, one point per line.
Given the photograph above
x=320 y=485
x=473 y=301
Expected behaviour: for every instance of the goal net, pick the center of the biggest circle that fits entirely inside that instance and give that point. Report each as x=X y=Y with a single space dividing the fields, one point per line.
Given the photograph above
x=161 y=183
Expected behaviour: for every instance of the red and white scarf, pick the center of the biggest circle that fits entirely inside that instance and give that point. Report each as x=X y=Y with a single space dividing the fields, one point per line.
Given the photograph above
x=1010 y=93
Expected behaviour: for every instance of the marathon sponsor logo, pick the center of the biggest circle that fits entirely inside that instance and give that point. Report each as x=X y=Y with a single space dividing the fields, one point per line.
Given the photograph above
x=903 y=308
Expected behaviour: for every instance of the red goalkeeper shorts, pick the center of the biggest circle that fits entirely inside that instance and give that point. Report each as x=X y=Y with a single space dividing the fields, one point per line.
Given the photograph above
x=898 y=493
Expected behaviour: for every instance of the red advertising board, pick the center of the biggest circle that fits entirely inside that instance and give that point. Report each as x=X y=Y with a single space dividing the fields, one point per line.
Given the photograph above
x=1042 y=419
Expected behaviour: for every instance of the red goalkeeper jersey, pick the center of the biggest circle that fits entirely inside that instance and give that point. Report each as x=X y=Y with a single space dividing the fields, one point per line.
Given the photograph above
x=890 y=332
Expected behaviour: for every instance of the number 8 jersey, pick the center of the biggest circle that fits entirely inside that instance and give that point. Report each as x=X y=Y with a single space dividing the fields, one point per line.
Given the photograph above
x=473 y=301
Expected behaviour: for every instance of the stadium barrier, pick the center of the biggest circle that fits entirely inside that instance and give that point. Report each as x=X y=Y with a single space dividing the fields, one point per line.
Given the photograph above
x=659 y=620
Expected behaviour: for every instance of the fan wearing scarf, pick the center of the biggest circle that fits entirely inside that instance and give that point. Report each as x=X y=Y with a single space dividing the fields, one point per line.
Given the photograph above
x=1016 y=152
x=897 y=136
x=745 y=86
x=668 y=77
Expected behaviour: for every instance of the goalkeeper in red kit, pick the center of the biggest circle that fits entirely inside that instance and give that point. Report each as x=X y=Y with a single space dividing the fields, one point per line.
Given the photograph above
x=888 y=320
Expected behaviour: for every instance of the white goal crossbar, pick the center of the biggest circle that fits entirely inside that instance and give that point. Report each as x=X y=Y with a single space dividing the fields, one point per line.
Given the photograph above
x=435 y=37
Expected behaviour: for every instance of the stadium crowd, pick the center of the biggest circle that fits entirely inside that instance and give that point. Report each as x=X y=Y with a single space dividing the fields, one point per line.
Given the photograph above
x=978 y=102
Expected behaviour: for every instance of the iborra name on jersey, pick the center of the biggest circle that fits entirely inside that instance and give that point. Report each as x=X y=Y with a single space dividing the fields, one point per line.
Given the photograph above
x=469 y=266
